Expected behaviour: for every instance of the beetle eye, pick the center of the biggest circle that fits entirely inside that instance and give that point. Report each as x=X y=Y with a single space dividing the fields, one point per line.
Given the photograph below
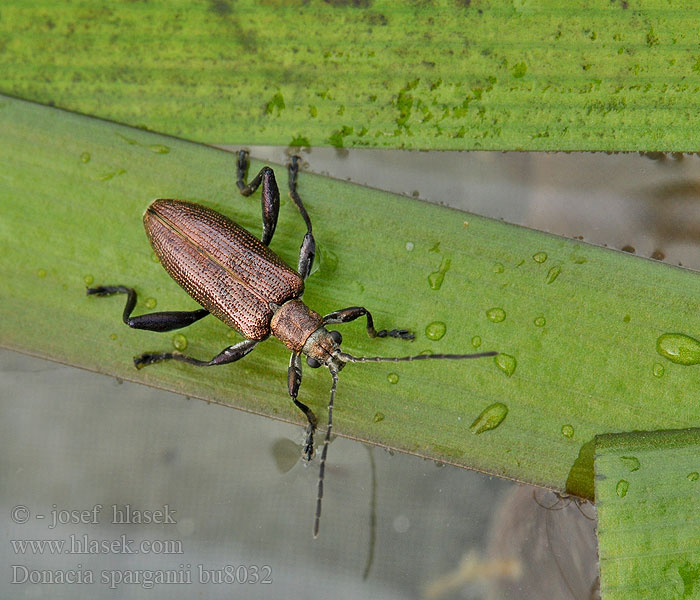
x=337 y=338
x=312 y=362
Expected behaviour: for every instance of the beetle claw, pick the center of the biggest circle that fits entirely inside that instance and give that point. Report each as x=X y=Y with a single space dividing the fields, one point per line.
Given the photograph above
x=404 y=334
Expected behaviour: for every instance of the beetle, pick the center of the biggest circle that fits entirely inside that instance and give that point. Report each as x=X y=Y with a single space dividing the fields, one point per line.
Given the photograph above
x=238 y=279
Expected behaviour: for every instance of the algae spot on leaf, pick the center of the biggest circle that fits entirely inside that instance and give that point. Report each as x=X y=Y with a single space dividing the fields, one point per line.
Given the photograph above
x=276 y=102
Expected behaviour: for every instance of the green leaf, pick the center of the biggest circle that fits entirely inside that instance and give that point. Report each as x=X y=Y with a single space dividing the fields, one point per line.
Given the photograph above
x=647 y=489
x=452 y=74
x=577 y=325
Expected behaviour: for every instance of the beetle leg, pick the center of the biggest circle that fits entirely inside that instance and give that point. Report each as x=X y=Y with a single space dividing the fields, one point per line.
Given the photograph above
x=228 y=355
x=355 y=312
x=160 y=321
x=269 y=197
x=308 y=245
x=294 y=381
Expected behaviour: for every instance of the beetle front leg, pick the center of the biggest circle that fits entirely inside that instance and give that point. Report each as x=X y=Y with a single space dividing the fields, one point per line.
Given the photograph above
x=269 y=197
x=160 y=321
x=228 y=355
x=355 y=312
x=294 y=381
x=308 y=245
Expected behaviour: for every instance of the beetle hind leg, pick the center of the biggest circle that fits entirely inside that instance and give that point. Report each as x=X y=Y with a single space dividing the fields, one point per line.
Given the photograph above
x=293 y=382
x=159 y=321
x=228 y=355
x=307 y=252
x=355 y=312
x=269 y=197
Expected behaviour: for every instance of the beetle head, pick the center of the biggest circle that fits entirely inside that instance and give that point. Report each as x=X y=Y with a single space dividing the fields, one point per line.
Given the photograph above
x=322 y=348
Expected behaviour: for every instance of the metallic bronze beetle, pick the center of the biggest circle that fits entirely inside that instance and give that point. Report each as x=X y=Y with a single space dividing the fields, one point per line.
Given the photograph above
x=239 y=280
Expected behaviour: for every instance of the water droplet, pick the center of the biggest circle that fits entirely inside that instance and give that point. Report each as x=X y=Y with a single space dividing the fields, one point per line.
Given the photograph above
x=154 y=257
x=150 y=302
x=113 y=336
x=179 y=342
x=88 y=279
x=498 y=268
x=658 y=370
x=631 y=462
x=495 y=315
x=41 y=273
x=567 y=431
x=491 y=417
x=476 y=341
x=540 y=322
x=85 y=157
x=409 y=246
x=436 y=278
x=378 y=416
x=694 y=476
x=392 y=378
x=435 y=330
x=553 y=274
x=626 y=318
x=506 y=363
x=427 y=352
x=159 y=148
x=539 y=257
x=679 y=348
x=622 y=487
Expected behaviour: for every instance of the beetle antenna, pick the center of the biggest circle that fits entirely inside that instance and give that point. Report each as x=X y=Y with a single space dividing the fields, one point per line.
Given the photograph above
x=361 y=359
x=324 y=454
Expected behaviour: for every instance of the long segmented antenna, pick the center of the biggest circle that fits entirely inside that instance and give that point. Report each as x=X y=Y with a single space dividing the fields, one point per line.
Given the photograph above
x=361 y=359
x=324 y=453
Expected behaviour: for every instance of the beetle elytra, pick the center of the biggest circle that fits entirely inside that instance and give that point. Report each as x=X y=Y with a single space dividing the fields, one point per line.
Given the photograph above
x=238 y=279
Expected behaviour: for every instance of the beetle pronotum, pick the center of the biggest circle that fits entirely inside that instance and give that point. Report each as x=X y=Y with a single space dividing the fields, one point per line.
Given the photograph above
x=238 y=279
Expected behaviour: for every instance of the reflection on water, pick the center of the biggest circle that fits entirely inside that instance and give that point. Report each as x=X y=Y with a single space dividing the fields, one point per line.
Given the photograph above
x=393 y=526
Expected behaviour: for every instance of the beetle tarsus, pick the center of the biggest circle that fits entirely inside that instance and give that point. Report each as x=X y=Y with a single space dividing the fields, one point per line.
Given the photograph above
x=148 y=359
x=309 y=443
x=402 y=334
x=107 y=290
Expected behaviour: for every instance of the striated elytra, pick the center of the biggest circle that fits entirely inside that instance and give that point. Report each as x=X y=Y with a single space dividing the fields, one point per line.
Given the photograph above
x=238 y=279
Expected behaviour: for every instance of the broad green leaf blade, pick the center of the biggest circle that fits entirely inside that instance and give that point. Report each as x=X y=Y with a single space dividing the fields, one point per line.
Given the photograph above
x=577 y=324
x=647 y=491
x=482 y=74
